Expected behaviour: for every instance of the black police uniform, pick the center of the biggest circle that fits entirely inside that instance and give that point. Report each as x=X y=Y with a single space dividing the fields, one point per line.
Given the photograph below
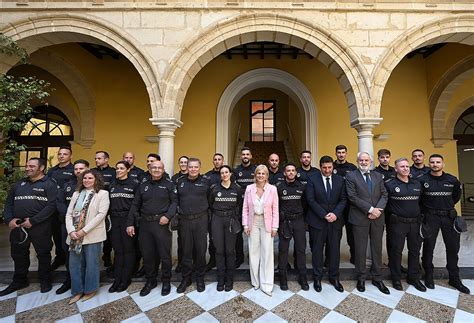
x=154 y=199
x=36 y=201
x=136 y=173
x=225 y=205
x=418 y=172
x=342 y=170
x=193 y=208
x=405 y=217
x=386 y=173
x=244 y=176
x=214 y=178
x=108 y=175
x=60 y=175
x=175 y=179
x=440 y=194
x=62 y=203
x=302 y=174
x=275 y=177
x=292 y=225
x=122 y=193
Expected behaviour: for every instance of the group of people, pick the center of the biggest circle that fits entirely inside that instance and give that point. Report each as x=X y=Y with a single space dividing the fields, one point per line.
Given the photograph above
x=89 y=211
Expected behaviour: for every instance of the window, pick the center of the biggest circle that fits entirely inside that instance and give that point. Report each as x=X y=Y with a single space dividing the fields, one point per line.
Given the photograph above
x=262 y=120
x=46 y=131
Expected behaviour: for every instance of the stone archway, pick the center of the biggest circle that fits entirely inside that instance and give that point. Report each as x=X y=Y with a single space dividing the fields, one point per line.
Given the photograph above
x=51 y=29
x=452 y=28
x=320 y=43
x=442 y=124
x=268 y=78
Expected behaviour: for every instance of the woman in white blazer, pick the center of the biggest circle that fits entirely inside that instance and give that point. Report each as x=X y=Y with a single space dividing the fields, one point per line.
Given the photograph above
x=85 y=224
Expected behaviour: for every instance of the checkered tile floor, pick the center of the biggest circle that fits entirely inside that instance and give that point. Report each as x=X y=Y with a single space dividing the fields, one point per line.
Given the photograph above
x=442 y=304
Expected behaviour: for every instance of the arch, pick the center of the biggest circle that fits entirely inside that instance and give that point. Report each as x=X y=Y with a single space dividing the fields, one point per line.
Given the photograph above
x=228 y=33
x=451 y=28
x=456 y=113
x=441 y=97
x=269 y=78
x=75 y=82
x=51 y=29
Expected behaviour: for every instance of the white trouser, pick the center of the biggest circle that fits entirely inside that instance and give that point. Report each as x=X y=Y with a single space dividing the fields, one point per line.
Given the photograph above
x=261 y=255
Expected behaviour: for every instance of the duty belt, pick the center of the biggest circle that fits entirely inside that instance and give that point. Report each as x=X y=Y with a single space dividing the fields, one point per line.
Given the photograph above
x=152 y=217
x=192 y=216
x=400 y=219
x=223 y=213
x=293 y=216
x=438 y=212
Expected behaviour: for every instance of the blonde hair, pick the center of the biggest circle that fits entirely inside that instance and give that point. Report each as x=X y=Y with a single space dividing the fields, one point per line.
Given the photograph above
x=260 y=168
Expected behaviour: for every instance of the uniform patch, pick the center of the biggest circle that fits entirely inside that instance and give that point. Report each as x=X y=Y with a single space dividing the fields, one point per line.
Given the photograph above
x=112 y=189
x=240 y=174
x=298 y=174
x=182 y=185
x=397 y=189
x=23 y=183
x=68 y=189
x=146 y=188
x=284 y=192
x=219 y=194
x=334 y=171
x=426 y=185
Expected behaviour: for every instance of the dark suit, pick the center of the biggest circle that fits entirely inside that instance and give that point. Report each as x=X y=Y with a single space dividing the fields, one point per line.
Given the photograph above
x=361 y=202
x=322 y=231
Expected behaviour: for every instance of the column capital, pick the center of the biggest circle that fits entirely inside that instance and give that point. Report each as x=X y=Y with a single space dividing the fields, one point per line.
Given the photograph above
x=167 y=126
x=365 y=124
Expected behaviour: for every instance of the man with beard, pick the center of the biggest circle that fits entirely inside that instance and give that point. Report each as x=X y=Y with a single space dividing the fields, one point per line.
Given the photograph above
x=244 y=176
x=274 y=171
x=418 y=168
x=384 y=168
x=368 y=196
x=305 y=170
x=135 y=172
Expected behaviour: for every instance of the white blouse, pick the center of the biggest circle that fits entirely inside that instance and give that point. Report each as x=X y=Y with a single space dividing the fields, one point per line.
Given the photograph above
x=258 y=205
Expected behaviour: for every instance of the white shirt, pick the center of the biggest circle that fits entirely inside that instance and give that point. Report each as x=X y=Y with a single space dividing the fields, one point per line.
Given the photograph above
x=325 y=181
x=258 y=205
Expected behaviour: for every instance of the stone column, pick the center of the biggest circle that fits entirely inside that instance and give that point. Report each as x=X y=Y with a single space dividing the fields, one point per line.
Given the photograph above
x=365 y=136
x=167 y=127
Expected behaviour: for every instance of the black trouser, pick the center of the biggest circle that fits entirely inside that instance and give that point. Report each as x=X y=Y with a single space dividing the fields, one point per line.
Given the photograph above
x=107 y=245
x=57 y=238
x=349 y=232
x=155 y=239
x=193 y=236
x=389 y=238
x=329 y=238
x=124 y=250
x=40 y=236
x=65 y=247
x=212 y=248
x=399 y=232
x=451 y=241
x=299 y=236
x=224 y=246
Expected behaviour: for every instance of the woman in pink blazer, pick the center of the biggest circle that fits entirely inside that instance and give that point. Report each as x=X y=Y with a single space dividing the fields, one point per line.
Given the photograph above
x=260 y=220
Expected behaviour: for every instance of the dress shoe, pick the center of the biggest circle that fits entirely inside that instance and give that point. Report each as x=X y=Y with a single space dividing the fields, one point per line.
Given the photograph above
x=200 y=286
x=397 y=285
x=114 y=287
x=229 y=285
x=64 y=288
x=268 y=293
x=75 y=299
x=140 y=272
x=57 y=263
x=13 y=287
x=165 y=288
x=220 y=285
x=303 y=283
x=122 y=287
x=283 y=282
x=238 y=263
x=87 y=297
x=380 y=285
x=211 y=264
x=185 y=283
x=45 y=286
x=317 y=285
x=429 y=283
x=459 y=286
x=361 y=286
x=417 y=284
x=148 y=287
x=337 y=285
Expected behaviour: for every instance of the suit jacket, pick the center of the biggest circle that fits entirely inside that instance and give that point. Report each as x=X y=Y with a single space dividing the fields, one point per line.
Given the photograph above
x=318 y=203
x=270 y=212
x=360 y=198
x=95 y=219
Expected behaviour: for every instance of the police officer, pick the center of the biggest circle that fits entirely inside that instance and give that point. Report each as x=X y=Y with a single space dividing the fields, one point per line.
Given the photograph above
x=418 y=168
x=384 y=168
x=305 y=170
x=62 y=173
x=441 y=191
x=342 y=167
x=122 y=193
x=403 y=205
x=108 y=174
x=225 y=224
x=274 y=171
x=152 y=157
x=244 y=175
x=62 y=203
x=193 y=207
x=135 y=172
x=28 y=209
x=154 y=204
x=292 y=225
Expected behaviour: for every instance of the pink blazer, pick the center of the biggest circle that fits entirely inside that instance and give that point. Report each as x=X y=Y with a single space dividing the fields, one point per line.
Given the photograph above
x=270 y=213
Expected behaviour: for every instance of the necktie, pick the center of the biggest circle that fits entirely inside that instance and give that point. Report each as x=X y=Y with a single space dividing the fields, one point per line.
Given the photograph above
x=328 y=188
x=369 y=182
